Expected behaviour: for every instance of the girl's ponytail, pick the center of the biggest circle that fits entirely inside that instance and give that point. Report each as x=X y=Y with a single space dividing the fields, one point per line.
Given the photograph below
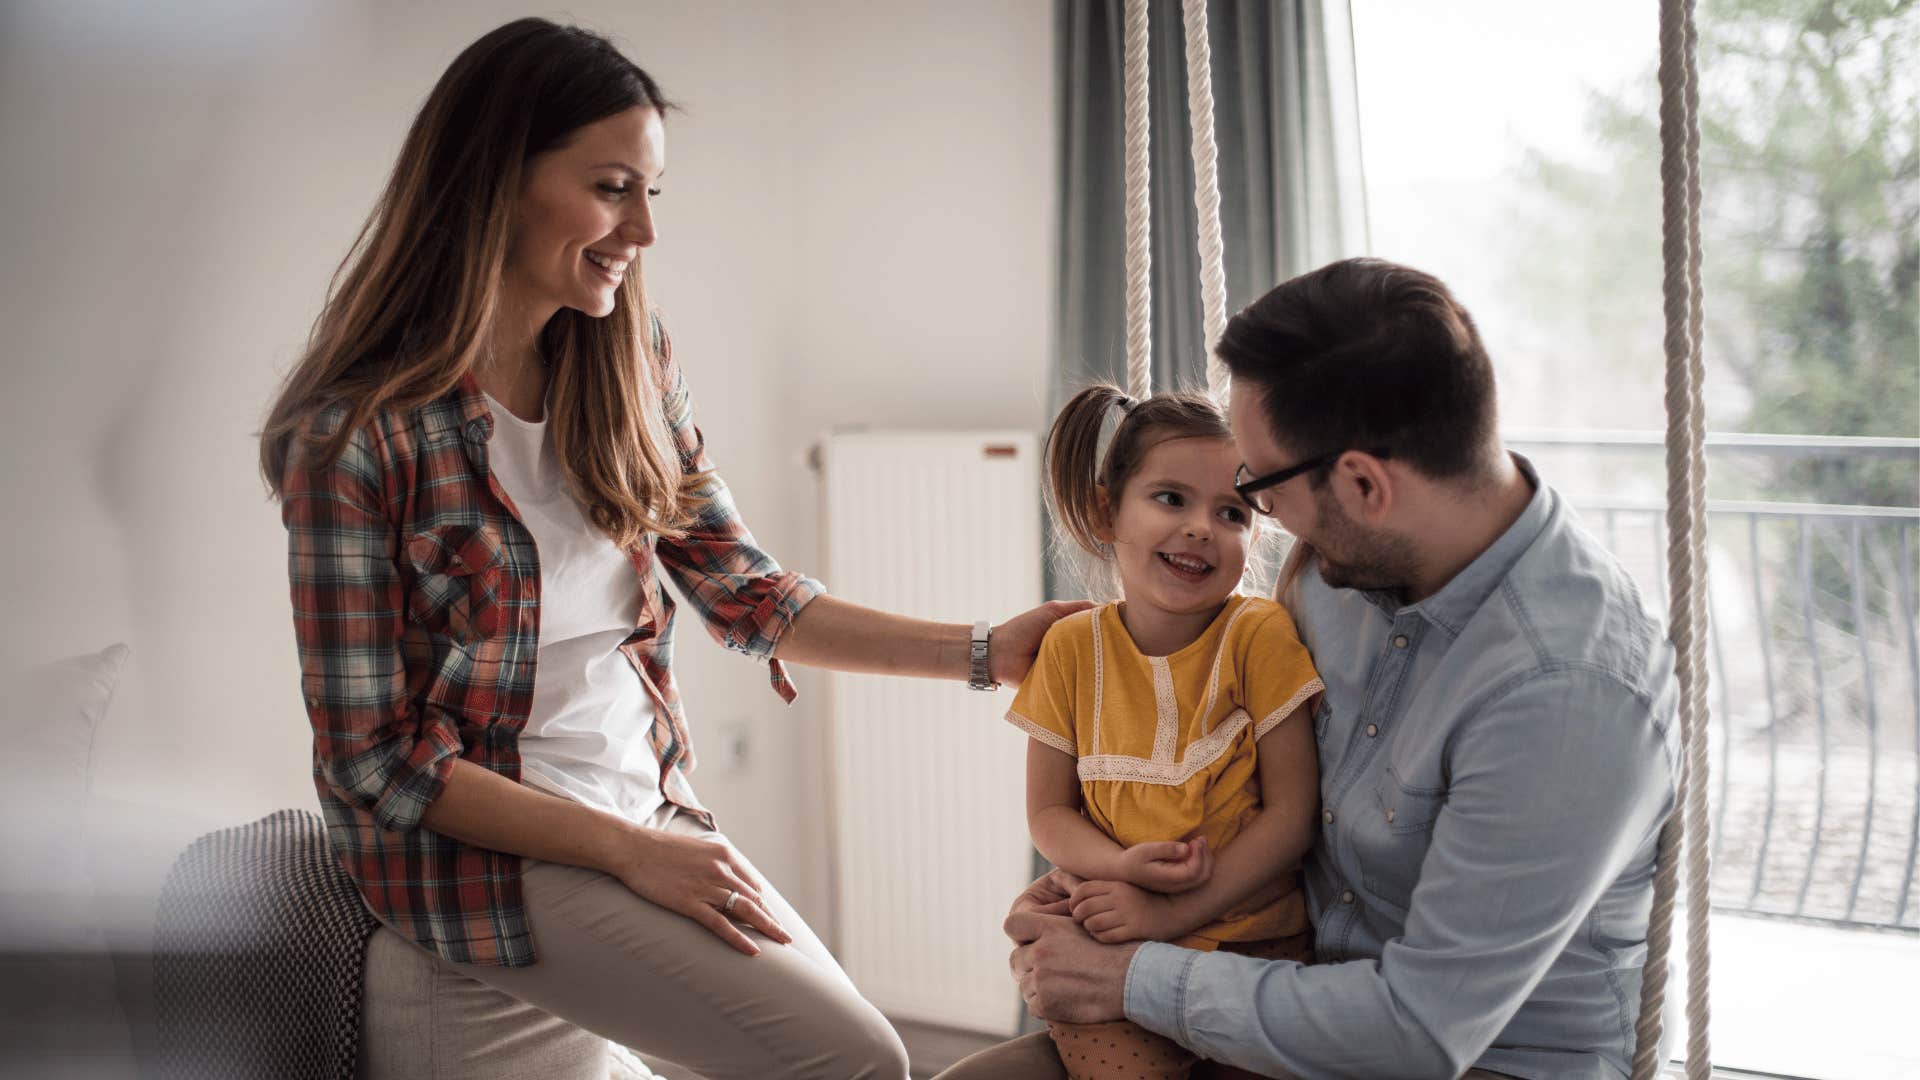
x=1072 y=464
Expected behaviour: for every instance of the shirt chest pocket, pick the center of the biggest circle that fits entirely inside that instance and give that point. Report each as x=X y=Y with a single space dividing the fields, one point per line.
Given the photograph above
x=459 y=575
x=1394 y=843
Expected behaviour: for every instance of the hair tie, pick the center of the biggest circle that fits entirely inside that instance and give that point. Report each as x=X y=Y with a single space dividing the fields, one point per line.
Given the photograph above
x=1126 y=403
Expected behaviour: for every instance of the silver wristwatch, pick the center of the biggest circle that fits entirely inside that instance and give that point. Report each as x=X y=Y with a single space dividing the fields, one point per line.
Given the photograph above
x=978 y=677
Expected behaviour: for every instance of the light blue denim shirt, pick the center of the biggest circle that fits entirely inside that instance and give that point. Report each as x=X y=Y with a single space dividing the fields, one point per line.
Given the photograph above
x=1495 y=765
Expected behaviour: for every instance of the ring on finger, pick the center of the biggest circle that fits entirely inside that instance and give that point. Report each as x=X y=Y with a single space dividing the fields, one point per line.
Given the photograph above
x=733 y=897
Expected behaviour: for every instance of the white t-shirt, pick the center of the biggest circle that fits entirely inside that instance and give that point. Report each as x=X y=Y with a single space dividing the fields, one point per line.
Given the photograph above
x=586 y=738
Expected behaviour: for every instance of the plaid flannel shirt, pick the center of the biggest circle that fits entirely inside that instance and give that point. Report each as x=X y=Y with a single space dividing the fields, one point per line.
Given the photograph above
x=416 y=609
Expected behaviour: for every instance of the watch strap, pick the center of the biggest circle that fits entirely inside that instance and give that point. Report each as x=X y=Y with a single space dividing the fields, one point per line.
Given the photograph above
x=978 y=676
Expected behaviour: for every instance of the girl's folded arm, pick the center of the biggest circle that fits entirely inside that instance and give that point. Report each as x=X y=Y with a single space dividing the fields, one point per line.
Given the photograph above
x=1060 y=831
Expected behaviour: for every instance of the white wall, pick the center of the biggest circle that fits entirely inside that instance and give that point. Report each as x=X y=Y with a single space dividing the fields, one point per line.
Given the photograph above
x=857 y=229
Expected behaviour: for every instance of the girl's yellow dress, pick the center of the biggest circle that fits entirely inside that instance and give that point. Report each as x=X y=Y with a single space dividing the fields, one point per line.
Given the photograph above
x=1164 y=745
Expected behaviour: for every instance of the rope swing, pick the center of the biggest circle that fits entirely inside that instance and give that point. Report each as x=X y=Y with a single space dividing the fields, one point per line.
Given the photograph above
x=1686 y=832
x=1139 y=208
x=1206 y=194
x=1139 y=201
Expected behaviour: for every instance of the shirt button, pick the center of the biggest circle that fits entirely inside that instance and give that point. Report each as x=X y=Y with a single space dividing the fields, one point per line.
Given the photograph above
x=1399 y=641
x=1347 y=897
x=1326 y=816
x=1372 y=730
x=313 y=701
x=1389 y=815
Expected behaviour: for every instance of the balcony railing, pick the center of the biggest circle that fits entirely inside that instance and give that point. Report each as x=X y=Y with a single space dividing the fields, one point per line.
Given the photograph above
x=1814 y=666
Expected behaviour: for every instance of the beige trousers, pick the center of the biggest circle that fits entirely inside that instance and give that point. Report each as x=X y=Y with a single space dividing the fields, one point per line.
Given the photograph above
x=1032 y=1057
x=612 y=966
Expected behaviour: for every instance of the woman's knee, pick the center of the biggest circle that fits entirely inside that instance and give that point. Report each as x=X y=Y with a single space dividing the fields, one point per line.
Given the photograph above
x=867 y=1048
x=882 y=1059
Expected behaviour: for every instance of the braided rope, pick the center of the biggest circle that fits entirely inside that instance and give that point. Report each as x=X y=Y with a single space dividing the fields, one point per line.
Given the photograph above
x=1139 y=203
x=1699 y=850
x=1685 y=830
x=1649 y=1028
x=1206 y=192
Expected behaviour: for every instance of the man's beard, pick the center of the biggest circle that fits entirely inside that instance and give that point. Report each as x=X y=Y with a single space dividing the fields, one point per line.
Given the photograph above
x=1353 y=557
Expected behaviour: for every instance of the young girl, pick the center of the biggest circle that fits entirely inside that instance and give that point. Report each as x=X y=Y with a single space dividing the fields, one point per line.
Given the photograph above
x=1163 y=768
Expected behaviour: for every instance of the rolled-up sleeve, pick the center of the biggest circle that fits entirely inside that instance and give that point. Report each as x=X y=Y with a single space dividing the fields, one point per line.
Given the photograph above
x=744 y=598
x=1557 y=784
x=373 y=746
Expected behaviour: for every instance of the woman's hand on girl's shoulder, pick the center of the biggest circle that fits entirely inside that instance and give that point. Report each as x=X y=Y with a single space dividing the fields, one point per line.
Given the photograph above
x=1014 y=643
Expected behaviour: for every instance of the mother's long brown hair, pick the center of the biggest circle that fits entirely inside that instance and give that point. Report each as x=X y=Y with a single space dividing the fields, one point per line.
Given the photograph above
x=412 y=304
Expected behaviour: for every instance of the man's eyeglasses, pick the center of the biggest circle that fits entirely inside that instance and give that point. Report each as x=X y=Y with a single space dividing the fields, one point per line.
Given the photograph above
x=1251 y=490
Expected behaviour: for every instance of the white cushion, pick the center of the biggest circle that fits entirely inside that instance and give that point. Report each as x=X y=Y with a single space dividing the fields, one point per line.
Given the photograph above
x=45 y=783
x=57 y=994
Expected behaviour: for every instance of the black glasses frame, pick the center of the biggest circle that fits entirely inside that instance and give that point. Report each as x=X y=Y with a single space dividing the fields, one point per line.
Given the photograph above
x=1247 y=489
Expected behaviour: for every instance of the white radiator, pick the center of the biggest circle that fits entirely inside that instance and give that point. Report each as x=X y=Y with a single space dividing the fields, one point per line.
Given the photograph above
x=928 y=786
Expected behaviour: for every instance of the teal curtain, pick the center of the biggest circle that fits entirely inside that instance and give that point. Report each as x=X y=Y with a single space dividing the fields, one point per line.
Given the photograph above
x=1287 y=128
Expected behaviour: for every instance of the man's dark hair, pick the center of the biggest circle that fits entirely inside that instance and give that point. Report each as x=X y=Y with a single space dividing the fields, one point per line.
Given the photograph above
x=1368 y=355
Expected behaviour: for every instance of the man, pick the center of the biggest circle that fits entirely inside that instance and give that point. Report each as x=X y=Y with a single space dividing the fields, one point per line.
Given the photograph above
x=1497 y=746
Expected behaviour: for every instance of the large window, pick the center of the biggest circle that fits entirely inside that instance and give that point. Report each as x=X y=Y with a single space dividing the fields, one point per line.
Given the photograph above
x=1512 y=148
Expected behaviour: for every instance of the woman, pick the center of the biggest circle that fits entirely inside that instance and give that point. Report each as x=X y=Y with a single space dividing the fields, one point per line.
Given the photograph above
x=485 y=459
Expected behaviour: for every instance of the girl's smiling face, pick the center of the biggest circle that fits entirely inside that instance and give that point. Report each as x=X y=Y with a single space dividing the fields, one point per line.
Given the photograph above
x=1180 y=534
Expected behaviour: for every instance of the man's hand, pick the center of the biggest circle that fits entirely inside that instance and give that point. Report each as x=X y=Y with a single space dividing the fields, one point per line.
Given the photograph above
x=1168 y=866
x=1048 y=895
x=1065 y=975
x=1014 y=643
x=1114 y=911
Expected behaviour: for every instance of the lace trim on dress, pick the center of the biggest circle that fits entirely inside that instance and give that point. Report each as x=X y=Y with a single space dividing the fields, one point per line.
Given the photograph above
x=1051 y=738
x=1202 y=753
x=1166 y=705
x=1213 y=680
x=1272 y=719
x=1099 y=677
